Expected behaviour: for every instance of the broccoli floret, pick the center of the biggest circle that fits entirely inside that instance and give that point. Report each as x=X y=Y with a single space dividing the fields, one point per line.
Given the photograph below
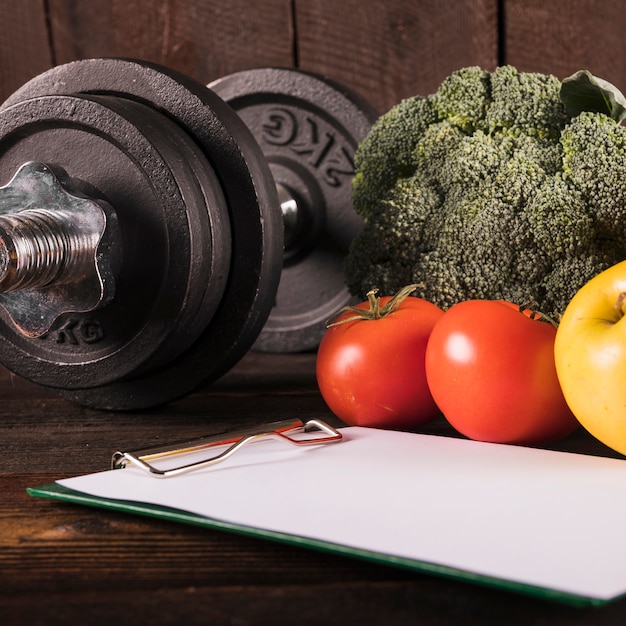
x=594 y=161
x=463 y=97
x=526 y=103
x=387 y=152
x=396 y=221
x=489 y=188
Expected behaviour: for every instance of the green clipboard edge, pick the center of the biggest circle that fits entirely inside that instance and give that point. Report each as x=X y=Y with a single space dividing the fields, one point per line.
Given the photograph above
x=55 y=491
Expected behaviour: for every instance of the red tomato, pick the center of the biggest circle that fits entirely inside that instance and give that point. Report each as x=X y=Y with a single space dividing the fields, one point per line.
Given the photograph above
x=491 y=370
x=371 y=371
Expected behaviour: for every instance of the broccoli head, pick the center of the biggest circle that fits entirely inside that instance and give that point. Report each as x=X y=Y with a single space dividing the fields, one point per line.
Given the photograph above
x=492 y=187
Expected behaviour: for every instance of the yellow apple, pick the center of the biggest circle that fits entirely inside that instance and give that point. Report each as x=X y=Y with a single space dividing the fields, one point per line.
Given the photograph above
x=590 y=356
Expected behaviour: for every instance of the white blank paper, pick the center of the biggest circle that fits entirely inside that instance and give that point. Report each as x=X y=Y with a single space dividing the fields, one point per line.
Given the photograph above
x=552 y=520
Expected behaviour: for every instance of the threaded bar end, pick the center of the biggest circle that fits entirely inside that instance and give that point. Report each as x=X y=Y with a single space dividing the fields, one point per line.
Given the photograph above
x=34 y=247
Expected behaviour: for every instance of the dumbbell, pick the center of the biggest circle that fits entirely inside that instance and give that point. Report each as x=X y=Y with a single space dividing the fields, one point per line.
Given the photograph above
x=153 y=229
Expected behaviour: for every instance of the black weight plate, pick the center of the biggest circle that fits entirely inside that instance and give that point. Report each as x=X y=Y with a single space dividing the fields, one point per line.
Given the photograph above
x=172 y=229
x=308 y=128
x=256 y=226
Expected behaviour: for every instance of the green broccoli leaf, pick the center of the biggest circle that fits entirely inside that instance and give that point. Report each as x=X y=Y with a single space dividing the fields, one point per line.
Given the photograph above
x=583 y=91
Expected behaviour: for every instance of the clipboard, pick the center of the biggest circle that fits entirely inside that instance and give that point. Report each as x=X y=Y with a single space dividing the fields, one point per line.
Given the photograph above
x=533 y=521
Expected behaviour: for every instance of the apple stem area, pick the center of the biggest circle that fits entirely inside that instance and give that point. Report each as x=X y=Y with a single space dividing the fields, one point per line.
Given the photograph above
x=620 y=305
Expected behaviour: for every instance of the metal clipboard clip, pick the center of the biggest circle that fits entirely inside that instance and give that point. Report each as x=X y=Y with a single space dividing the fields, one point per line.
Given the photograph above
x=294 y=432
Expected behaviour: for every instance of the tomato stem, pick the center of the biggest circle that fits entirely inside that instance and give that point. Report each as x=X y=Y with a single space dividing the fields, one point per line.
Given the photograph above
x=537 y=315
x=375 y=311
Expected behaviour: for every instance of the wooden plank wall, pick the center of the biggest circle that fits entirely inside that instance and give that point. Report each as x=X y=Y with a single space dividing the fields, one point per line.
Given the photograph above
x=385 y=50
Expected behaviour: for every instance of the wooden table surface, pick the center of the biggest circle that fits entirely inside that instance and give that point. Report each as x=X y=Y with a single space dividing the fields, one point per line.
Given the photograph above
x=65 y=564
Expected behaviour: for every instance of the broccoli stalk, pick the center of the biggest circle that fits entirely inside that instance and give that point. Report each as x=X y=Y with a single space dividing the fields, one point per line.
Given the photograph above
x=501 y=185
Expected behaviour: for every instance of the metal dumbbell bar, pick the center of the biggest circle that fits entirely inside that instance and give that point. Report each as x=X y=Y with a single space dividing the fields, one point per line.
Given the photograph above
x=153 y=230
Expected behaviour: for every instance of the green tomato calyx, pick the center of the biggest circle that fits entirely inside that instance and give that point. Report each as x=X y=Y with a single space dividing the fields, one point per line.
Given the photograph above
x=375 y=310
x=537 y=316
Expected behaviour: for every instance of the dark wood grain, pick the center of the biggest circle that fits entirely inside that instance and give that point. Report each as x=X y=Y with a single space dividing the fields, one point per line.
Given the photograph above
x=391 y=50
x=386 y=51
x=563 y=36
x=24 y=43
x=204 y=40
x=36 y=425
